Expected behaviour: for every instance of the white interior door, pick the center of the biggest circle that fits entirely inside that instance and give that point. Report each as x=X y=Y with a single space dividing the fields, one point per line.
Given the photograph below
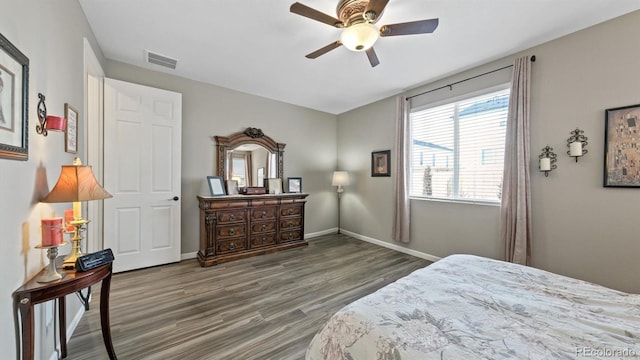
x=142 y=165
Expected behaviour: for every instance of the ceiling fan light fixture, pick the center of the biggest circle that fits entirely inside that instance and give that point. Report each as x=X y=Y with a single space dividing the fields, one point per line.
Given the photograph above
x=359 y=37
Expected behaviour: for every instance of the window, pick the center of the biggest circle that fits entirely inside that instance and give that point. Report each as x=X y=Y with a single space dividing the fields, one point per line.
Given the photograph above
x=457 y=149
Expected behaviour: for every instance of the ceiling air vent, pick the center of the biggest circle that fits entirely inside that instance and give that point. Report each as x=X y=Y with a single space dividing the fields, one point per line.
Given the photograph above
x=158 y=59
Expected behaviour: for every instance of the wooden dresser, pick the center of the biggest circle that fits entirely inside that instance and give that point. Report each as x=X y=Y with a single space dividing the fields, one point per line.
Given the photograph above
x=238 y=226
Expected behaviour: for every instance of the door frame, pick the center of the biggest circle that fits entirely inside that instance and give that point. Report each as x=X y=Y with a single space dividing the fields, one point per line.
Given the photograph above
x=93 y=150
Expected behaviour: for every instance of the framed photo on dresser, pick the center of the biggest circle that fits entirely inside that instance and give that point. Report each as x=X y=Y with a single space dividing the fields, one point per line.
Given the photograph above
x=216 y=185
x=294 y=185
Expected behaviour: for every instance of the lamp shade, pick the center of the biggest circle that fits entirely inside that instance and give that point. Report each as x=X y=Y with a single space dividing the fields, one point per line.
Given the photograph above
x=76 y=183
x=340 y=178
x=359 y=37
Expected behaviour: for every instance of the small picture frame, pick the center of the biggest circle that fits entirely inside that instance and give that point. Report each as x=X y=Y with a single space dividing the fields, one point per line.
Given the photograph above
x=216 y=185
x=71 y=132
x=274 y=186
x=622 y=146
x=294 y=185
x=381 y=163
x=232 y=187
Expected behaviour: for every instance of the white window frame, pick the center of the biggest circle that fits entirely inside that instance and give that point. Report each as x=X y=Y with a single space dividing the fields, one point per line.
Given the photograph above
x=450 y=100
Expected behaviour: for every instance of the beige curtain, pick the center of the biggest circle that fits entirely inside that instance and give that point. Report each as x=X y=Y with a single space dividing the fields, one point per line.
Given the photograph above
x=401 y=208
x=515 y=211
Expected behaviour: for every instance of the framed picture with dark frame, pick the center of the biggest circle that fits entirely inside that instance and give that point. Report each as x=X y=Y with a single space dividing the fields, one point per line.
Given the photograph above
x=216 y=185
x=71 y=131
x=14 y=93
x=622 y=147
x=294 y=185
x=381 y=163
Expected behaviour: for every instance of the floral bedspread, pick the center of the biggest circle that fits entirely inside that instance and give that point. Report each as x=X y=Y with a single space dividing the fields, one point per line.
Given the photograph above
x=470 y=307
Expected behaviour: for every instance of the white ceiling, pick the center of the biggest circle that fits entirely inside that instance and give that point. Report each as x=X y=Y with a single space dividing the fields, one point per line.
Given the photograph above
x=258 y=46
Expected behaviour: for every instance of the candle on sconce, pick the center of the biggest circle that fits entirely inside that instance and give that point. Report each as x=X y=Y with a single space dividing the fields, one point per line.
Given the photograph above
x=575 y=148
x=545 y=164
x=51 y=231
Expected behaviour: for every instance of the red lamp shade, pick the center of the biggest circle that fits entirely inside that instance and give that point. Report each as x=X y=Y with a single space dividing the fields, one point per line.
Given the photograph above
x=55 y=123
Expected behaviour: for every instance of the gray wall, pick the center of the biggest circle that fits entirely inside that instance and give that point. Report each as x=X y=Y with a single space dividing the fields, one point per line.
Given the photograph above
x=309 y=135
x=50 y=34
x=580 y=229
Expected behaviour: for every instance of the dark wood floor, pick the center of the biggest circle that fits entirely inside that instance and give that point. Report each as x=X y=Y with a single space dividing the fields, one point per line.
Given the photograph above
x=265 y=307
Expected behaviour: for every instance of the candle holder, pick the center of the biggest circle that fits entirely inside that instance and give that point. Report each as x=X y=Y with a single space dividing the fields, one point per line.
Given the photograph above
x=76 y=240
x=52 y=273
x=547 y=160
x=577 y=143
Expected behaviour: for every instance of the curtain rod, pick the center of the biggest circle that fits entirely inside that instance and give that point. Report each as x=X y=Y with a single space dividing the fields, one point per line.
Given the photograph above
x=533 y=59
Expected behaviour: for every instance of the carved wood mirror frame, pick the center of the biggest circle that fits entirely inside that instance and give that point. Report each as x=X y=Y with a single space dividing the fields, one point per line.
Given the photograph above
x=248 y=136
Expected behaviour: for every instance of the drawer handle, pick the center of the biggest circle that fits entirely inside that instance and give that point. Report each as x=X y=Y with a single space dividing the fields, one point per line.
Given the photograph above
x=264 y=239
x=232 y=217
x=264 y=214
x=232 y=246
x=264 y=227
x=290 y=211
x=232 y=231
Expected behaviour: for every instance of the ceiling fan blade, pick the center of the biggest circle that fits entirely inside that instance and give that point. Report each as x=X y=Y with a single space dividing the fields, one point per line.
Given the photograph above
x=409 y=28
x=375 y=8
x=373 y=58
x=323 y=50
x=314 y=14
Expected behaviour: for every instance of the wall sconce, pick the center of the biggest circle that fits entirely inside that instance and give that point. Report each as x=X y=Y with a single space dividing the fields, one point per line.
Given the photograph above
x=577 y=143
x=547 y=160
x=48 y=122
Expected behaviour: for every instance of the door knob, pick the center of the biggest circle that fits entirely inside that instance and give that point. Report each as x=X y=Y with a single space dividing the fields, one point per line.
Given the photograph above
x=175 y=198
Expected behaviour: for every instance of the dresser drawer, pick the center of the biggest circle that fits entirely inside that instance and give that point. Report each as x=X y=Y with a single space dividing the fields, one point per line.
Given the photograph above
x=290 y=235
x=290 y=223
x=263 y=227
x=229 y=246
x=231 y=216
x=230 y=231
x=267 y=213
x=263 y=240
x=291 y=211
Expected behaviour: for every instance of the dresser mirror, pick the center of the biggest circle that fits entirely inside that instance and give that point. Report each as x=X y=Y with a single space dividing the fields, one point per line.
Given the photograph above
x=249 y=157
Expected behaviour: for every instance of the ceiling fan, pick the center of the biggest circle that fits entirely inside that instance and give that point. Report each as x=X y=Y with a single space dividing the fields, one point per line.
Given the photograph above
x=357 y=19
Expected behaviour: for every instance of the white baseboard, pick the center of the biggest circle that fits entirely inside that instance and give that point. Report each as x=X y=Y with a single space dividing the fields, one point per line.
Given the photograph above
x=188 y=256
x=320 y=233
x=391 y=246
x=55 y=355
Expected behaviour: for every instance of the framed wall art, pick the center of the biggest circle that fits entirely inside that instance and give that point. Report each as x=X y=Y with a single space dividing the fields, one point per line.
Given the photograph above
x=622 y=147
x=14 y=92
x=381 y=163
x=71 y=132
x=216 y=185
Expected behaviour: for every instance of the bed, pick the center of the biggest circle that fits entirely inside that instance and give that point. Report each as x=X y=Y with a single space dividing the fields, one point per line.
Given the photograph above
x=470 y=307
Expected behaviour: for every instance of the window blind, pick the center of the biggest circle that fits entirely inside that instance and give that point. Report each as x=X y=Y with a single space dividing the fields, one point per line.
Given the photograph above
x=457 y=149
